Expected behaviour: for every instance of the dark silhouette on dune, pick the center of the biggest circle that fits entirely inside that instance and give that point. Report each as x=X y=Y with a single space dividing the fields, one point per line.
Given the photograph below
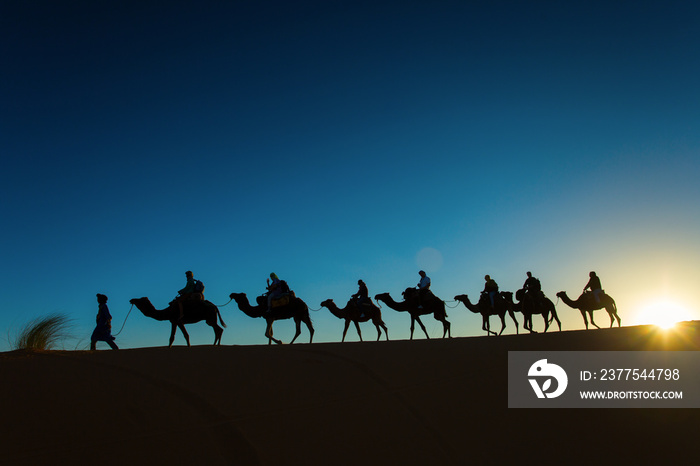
x=418 y=304
x=530 y=305
x=193 y=311
x=351 y=313
x=586 y=303
x=103 y=327
x=296 y=309
x=484 y=308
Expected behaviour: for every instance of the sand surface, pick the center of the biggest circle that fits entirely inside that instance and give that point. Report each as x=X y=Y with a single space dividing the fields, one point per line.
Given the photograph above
x=418 y=402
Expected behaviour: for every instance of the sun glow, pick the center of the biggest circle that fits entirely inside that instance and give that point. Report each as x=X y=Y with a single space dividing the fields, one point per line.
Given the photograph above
x=663 y=313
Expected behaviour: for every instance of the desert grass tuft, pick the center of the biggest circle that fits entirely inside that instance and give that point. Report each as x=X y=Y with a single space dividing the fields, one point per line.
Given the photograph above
x=43 y=333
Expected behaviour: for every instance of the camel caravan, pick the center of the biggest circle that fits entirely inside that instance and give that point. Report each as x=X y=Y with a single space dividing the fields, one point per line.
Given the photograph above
x=280 y=303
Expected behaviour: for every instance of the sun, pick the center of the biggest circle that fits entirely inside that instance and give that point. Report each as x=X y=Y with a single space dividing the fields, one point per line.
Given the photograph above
x=663 y=313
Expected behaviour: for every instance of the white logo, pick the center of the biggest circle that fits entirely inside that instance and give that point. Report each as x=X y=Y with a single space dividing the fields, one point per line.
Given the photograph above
x=545 y=372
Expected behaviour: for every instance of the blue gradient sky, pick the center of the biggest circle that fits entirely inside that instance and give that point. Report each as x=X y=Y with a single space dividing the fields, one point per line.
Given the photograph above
x=334 y=140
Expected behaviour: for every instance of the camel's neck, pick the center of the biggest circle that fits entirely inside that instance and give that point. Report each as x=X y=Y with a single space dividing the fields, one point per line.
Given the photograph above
x=568 y=301
x=389 y=301
x=250 y=311
x=468 y=304
x=336 y=311
x=149 y=310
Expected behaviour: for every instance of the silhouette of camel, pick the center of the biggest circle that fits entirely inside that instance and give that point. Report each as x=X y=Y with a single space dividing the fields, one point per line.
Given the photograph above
x=416 y=309
x=484 y=308
x=530 y=307
x=586 y=303
x=193 y=311
x=351 y=313
x=296 y=309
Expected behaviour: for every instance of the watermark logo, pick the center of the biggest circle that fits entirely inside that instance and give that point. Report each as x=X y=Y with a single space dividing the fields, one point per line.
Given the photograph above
x=540 y=376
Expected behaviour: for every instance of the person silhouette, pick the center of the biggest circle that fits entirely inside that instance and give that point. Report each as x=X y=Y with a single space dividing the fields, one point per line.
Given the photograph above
x=533 y=287
x=361 y=297
x=274 y=290
x=103 y=329
x=490 y=287
x=594 y=285
x=190 y=291
x=424 y=283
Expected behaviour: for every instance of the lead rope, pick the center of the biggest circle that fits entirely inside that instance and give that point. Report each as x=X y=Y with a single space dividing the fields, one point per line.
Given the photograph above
x=127 y=316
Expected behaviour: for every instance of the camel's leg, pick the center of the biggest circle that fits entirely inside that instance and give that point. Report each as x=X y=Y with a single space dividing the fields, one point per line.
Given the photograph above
x=612 y=311
x=413 y=325
x=512 y=316
x=268 y=334
x=386 y=330
x=487 y=326
x=310 y=327
x=446 y=328
x=590 y=316
x=357 y=326
x=532 y=330
x=345 y=330
x=379 y=331
x=184 y=332
x=545 y=314
x=557 y=319
x=585 y=320
x=422 y=327
x=172 y=334
x=503 y=323
x=218 y=331
x=297 y=323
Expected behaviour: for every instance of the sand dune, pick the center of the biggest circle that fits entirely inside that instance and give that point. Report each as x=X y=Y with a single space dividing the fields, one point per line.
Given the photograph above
x=401 y=402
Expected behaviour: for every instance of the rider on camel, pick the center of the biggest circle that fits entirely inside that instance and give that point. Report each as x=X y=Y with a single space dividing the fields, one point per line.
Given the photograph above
x=490 y=287
x=274 y=290
x=533 y=287
x=192 y=291
x=594 y=285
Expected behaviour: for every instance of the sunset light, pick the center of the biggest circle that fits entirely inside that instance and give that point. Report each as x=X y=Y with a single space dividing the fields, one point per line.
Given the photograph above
x=663 y=313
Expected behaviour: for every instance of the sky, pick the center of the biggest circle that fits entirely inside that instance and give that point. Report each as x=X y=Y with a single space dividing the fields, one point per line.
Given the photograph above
x=331 y=141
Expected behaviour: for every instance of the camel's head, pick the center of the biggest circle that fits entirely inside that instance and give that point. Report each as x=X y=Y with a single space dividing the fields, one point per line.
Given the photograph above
x=236 y=296
x=137 y=301
x=561 y=294
x=461 y=298
x=382 y=297
x=507 y=295
x=327 y=303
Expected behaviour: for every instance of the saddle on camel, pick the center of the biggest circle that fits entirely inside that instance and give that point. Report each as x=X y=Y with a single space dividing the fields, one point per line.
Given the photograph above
x=193 y=291
x=278 y=293
x=284 y=297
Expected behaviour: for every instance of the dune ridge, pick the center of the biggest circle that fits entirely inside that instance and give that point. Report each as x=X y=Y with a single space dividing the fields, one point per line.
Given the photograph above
x=398 y=402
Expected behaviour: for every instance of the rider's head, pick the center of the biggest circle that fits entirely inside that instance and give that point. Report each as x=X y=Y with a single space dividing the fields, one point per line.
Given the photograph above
x=529 y=274
x=421 y=273
x=189 y=274
x=592 y=274
x=487 y=278
x=273 y=276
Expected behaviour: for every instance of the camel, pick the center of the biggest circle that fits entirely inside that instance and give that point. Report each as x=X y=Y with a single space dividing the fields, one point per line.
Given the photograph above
x=415 y=308
x=586 y=303
x=193 y=311
x=351 y=313
x=530 y=307
x=484 y=308
x=296 y=309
